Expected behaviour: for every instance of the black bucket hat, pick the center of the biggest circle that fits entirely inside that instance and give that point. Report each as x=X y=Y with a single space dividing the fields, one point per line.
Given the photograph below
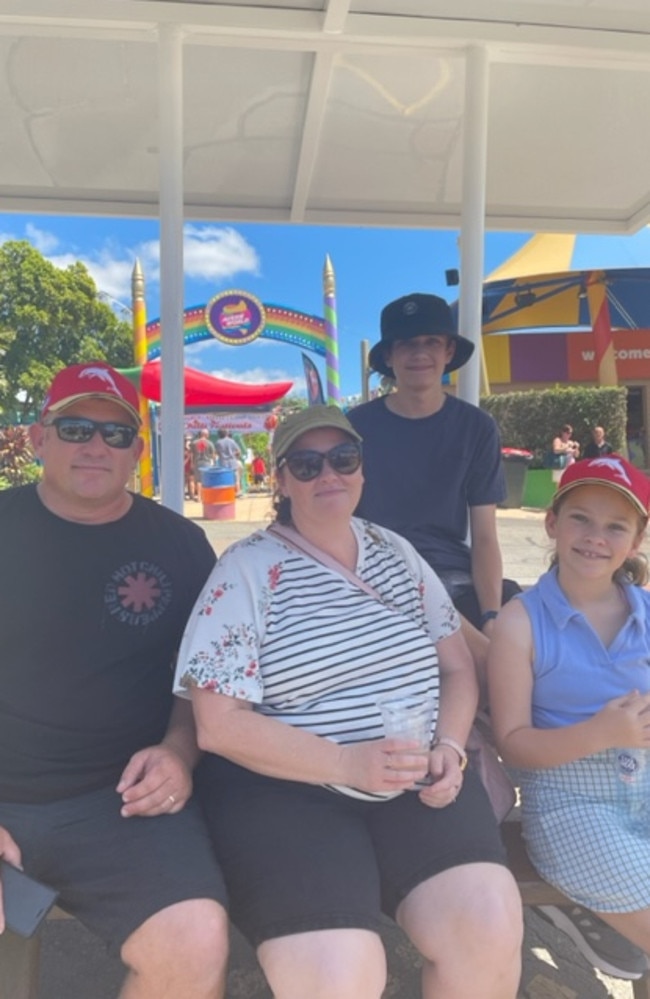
x=418 y=315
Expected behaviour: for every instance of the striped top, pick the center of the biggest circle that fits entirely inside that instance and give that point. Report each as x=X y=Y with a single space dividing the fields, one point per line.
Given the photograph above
x=309 y=648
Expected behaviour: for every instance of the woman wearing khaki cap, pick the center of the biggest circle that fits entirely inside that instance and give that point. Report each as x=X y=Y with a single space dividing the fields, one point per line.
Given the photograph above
x=321 y=822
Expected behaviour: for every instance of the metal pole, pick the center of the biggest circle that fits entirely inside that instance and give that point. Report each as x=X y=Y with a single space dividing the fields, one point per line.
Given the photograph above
x=472 y=226
x=365 y=371
x=170 y=113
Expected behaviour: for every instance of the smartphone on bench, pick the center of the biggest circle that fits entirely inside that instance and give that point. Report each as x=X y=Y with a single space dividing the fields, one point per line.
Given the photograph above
x=26 y=902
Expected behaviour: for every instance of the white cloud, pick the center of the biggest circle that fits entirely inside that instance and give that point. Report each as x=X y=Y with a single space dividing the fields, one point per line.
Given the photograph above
x=45 y=242
x=260 y=376
x=111 y=275
x=210 y=253
x=211 y=343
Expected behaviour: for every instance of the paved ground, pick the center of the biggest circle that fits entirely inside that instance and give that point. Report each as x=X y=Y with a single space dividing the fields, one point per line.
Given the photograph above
x=74 y=965
x=523 y=540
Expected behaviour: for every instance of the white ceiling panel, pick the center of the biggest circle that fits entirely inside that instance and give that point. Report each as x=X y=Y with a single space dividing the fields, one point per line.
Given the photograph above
x=347 y=111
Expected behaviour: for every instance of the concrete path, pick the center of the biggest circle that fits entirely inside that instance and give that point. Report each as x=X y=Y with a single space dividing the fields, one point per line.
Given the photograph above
x=74 y=964
x=525 y=546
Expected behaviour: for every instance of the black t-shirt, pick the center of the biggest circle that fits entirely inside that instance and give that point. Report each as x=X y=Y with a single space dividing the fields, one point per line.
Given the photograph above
x=594 y=450
x=91 y=617
x=422 y=475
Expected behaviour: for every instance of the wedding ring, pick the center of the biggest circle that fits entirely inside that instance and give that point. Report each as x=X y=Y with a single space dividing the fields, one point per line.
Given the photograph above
x=172 y=799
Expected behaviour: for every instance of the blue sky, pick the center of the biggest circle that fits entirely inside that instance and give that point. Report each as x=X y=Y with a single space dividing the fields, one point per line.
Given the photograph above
x=282 y=265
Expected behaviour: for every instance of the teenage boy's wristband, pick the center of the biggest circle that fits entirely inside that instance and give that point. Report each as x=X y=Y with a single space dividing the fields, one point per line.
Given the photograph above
x=488 y=616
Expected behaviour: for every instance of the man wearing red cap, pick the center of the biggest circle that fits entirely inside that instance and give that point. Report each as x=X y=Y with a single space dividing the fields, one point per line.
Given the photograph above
x=96 y=756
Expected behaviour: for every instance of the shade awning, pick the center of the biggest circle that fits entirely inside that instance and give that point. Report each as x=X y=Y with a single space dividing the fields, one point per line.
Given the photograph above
x=347 y=111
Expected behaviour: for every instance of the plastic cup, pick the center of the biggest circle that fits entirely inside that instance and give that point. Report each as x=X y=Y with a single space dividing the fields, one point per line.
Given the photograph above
x=408 y=718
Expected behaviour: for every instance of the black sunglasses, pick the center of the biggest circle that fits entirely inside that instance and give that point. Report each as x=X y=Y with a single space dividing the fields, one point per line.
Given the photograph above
x=307 y=465
x=79 y=430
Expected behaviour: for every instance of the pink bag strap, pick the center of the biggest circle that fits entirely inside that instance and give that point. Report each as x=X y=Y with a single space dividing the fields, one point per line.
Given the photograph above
x=296 y=540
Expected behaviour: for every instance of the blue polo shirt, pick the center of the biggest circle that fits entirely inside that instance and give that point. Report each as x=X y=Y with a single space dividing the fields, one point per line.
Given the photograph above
x=574 y=674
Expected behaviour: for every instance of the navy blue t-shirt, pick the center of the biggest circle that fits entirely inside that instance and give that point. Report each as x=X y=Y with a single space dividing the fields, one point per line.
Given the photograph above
x=422 y=475
x=91 y=617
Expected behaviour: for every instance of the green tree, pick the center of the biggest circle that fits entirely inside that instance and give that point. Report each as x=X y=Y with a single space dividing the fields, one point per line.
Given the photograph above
x=49 y=318
x=258 y=442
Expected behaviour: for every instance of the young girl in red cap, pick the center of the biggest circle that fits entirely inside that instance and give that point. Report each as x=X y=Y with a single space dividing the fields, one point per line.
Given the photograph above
x=569 y=673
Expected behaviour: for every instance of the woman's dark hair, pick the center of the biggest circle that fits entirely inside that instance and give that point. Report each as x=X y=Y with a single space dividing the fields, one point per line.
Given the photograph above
x=282 y=506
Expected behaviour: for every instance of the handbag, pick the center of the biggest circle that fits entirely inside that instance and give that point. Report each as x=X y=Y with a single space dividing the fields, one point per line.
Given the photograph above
x=482 y=757
x=481 y=754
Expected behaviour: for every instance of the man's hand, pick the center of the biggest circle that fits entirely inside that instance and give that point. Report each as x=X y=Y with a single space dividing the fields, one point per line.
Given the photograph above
x=155 y=781
x=10 y=852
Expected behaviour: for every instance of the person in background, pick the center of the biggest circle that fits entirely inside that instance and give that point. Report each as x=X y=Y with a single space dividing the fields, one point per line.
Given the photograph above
x=432 y=463
x=96 y=755
x=228 y=452
x=570 y=698
x=258 y=469
x=191 y=487
x=319 y=820
x=229 y=456
x=203 y=456
x=565 y=447
x=598 y=446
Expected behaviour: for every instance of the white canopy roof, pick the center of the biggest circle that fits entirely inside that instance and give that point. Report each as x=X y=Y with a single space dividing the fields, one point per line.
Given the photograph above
x=331 y=111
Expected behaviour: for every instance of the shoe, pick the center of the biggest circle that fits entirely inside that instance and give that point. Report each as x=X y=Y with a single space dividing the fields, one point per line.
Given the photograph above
x=601 y=945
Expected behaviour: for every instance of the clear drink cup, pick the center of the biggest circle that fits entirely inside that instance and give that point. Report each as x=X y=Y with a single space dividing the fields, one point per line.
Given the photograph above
x=408 y=718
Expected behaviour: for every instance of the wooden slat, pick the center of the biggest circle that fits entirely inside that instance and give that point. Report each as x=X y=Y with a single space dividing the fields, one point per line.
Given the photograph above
x=18 y=966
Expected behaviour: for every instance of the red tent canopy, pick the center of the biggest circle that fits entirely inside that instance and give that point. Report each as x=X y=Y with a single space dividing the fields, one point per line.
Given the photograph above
x=205 y=390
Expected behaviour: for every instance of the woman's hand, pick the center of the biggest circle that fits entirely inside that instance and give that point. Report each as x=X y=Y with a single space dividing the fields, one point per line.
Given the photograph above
x=447 y=777
x=383 y=765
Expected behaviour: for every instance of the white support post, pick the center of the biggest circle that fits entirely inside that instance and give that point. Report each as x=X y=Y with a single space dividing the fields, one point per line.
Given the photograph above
x=472 y=228
x=170 y=115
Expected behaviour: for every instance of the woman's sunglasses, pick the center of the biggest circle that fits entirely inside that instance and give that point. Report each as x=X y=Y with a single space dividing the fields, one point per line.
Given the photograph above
x=307 y=465
x=79 y=430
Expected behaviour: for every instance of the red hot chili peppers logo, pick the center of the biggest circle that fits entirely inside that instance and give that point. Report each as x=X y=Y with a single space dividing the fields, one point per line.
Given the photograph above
x=138 y=593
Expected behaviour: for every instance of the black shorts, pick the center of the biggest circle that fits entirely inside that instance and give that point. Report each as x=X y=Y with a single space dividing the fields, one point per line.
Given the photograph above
x=114 y=873
x=298 y=857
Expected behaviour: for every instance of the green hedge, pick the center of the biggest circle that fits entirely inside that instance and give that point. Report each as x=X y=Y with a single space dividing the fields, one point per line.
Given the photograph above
x=532 y=419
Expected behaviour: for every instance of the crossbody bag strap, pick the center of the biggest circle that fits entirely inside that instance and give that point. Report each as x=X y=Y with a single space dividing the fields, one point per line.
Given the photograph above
x=296 y=540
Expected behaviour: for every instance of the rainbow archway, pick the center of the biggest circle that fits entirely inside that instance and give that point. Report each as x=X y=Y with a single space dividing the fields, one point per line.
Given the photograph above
x=280 y=323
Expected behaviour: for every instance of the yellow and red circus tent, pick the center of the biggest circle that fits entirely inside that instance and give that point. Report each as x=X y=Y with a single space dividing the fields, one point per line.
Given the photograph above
x=545 y=322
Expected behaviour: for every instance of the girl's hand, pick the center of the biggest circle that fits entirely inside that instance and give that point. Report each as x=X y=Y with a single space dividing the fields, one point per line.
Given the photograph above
x=625 y=721
x=447 y=778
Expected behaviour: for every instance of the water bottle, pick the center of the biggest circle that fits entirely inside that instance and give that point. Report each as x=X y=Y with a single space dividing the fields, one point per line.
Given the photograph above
x=633 y=773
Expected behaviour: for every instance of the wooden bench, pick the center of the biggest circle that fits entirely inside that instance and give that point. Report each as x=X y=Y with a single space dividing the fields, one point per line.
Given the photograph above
x=19 y=959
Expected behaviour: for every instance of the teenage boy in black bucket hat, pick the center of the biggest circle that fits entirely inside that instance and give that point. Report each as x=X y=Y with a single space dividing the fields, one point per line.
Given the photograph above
x=432 y=463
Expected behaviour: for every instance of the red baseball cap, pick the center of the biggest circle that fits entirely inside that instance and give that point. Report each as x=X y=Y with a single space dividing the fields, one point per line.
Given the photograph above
x=93 y=380
x=611 y=470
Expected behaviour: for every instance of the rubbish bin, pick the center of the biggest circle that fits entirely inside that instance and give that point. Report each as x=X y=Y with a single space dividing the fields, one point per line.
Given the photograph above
x=218 y=491
x=515 y=464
